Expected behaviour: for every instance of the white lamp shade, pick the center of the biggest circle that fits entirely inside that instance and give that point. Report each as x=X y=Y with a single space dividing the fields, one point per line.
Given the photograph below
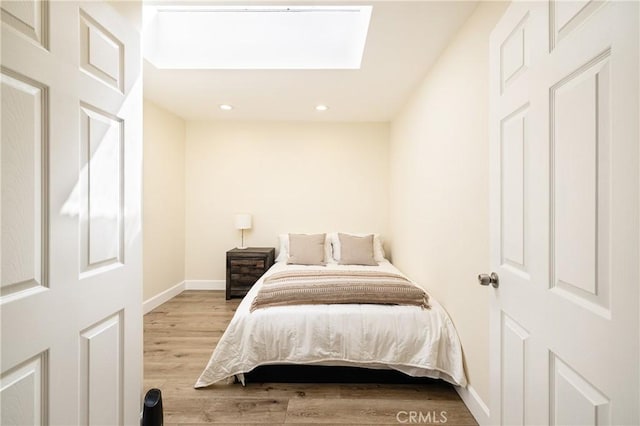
x=243 y=221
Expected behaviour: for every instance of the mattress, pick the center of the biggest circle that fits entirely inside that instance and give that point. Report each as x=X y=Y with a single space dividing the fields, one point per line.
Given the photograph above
x=416 y=341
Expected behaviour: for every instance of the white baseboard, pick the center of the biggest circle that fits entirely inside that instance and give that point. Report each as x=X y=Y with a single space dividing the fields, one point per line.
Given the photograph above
x=205 y=285
x=170 y=293
x=475 y=404
x=165 y=296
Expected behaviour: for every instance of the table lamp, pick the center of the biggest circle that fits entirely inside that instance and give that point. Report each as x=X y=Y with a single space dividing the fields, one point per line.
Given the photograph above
x=243 y=221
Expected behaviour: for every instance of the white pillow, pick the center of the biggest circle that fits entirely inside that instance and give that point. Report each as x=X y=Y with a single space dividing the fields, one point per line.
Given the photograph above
x=378 y=250
x=283 y=256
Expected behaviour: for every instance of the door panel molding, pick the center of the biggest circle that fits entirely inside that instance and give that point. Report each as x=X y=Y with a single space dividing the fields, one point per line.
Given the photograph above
x=566 y=16
x=101 y=365
x=571 y=394
x=25 y=189
x=579 y=156
x=513 y=178
x=101 y=53
x=101 y=190
x=514 y=54
x=514 y=368
x=29 y=18
x=24 y=392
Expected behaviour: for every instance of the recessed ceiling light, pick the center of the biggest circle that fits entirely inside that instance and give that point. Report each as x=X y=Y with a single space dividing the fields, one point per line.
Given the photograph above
x=321 y=107
x=226 y=107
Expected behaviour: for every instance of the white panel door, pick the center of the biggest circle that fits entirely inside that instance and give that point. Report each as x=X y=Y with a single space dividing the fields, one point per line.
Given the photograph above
x=564 y=214
x=70 y=296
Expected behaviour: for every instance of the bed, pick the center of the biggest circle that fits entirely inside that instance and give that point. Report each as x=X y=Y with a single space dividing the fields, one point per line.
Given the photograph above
x=414 y=340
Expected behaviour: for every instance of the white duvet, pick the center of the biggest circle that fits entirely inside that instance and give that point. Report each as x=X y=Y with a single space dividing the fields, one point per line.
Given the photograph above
x=418 y=342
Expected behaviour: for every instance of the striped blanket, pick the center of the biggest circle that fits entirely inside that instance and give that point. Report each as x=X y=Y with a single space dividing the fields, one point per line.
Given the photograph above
x=313 y=287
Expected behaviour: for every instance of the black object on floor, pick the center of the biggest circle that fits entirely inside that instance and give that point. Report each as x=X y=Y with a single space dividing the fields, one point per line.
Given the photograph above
x=152 y=410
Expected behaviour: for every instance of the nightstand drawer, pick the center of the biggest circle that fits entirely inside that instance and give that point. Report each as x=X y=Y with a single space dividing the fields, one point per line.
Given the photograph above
x=245 y=279
x=240 y=291
x=247 y=266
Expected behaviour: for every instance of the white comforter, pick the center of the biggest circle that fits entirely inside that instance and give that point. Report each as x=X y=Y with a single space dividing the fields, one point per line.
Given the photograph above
x=418 y=342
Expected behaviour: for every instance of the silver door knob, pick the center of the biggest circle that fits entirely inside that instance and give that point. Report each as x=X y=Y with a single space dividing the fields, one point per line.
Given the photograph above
x=492 y=279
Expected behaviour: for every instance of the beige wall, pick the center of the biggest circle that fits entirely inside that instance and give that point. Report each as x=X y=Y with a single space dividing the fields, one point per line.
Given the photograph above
x=130 y=9
x=439 y=204
x=163 y=200
x=292 y=177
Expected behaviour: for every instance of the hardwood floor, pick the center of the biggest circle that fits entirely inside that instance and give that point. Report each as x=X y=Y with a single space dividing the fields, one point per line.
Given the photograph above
x=180 y=335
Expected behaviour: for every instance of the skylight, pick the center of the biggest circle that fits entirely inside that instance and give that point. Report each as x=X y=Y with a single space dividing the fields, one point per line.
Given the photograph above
x=256 y=37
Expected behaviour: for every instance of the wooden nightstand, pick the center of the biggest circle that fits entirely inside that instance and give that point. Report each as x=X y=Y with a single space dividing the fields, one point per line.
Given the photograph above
x=245 y=267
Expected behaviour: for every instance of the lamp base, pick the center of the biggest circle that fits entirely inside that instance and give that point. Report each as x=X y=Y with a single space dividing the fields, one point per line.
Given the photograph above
x=242 y=248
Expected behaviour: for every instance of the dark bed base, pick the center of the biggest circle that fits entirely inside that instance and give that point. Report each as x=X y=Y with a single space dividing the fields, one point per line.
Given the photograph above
x=326 y=374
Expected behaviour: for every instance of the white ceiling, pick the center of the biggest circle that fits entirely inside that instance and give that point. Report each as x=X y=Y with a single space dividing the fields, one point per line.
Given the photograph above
x=403 y=42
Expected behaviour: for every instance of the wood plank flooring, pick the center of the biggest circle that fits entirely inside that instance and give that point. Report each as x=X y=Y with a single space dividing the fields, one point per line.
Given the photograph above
x=180 y=335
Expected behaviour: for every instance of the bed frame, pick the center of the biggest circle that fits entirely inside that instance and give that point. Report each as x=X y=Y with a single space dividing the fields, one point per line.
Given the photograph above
x=287 y=373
